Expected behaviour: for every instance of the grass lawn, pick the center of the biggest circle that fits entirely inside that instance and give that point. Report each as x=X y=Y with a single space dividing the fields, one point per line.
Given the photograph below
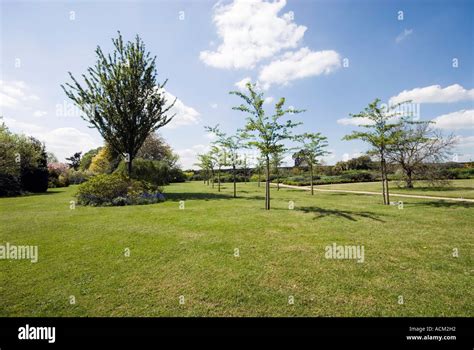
x=457 y=188
x=190 y=253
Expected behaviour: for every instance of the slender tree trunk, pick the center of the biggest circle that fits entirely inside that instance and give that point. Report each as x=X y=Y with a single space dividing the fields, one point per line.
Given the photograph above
x=218 y=180
x=235 y=185
x=311 y=170
x=386 y=183
x=258 y=183
x=267 y=184
x=386 y=196
x=212 y=178
x=382 y=170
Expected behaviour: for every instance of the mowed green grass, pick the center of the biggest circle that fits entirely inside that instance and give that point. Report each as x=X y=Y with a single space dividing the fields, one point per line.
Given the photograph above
x=455 y=189
x=191 y=253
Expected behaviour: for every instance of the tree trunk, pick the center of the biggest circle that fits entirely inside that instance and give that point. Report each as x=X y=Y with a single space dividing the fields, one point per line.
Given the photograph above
x=386 y=196
x=235 y=185
x=258 y=183
x=267 y=184
x=129 y=166
x=409 y=179
x=386 y=182
x=212 y=178
x=311 y=170
x=382 y=170
x=219 y=180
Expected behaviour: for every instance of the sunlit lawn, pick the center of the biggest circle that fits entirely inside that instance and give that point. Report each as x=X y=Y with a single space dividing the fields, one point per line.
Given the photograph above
x=456 y=188
x=191 y=252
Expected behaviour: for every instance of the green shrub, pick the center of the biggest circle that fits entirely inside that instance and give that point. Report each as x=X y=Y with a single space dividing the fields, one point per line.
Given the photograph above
x=189 y=175
x=77 y=177
x=34 y=179
x=58 y=175
x=176 y=175
x=358 y=176
x=9 y=185
x=152 y=171
x=115 y=189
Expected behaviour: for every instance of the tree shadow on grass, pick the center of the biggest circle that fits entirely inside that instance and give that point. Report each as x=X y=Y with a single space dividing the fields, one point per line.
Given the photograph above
x=31 y=194
x=205 y=196
x=445 y=204
x=432 y=189
x=345 y=214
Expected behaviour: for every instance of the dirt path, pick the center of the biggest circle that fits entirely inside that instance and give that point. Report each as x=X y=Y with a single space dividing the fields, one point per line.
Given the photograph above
x=308 y=188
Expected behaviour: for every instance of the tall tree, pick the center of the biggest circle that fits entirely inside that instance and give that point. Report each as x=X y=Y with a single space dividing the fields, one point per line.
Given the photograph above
x=417 y=144
x=230 y=145
x=383 y=130
x=313 y=147
x=264 y=132
x=122 y=98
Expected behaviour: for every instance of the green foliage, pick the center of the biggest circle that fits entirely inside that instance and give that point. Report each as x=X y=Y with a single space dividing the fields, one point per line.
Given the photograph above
x=102 y=162
x=122 y=98
x=313 y=147
x=189 y=175
x=155 y=172
x=79 y=176
x=22 y=160
x=156 y=148
x=266 y=133
x=115 y=189
x=87 y=158
x=382 y=133
x=359 y=163
x=58 y=175
x=9 y=185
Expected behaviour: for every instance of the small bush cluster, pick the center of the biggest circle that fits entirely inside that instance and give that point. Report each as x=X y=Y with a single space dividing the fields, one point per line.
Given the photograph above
x=22 y=164
x=77 y=177
x=58 y=175
x=117 y=190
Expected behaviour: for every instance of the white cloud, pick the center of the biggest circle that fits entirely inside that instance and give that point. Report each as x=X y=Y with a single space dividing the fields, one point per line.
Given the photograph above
x=355 y=121
x=241 y=84
x=210 y=135
x=214 y=105
x=403 y=35
x=251 y=31
x=465 y=141
x=463 y=119
x=268 y=99
x=22 y=127
x=347 y=156
x=185 y=115
x=63 y=142
x=299 y=64
x=434 y=94
x=188 y=156
x=14 y=93
x=39 y=113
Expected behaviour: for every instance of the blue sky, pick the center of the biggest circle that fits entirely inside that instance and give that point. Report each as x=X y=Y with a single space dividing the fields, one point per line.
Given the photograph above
x=329 y=57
